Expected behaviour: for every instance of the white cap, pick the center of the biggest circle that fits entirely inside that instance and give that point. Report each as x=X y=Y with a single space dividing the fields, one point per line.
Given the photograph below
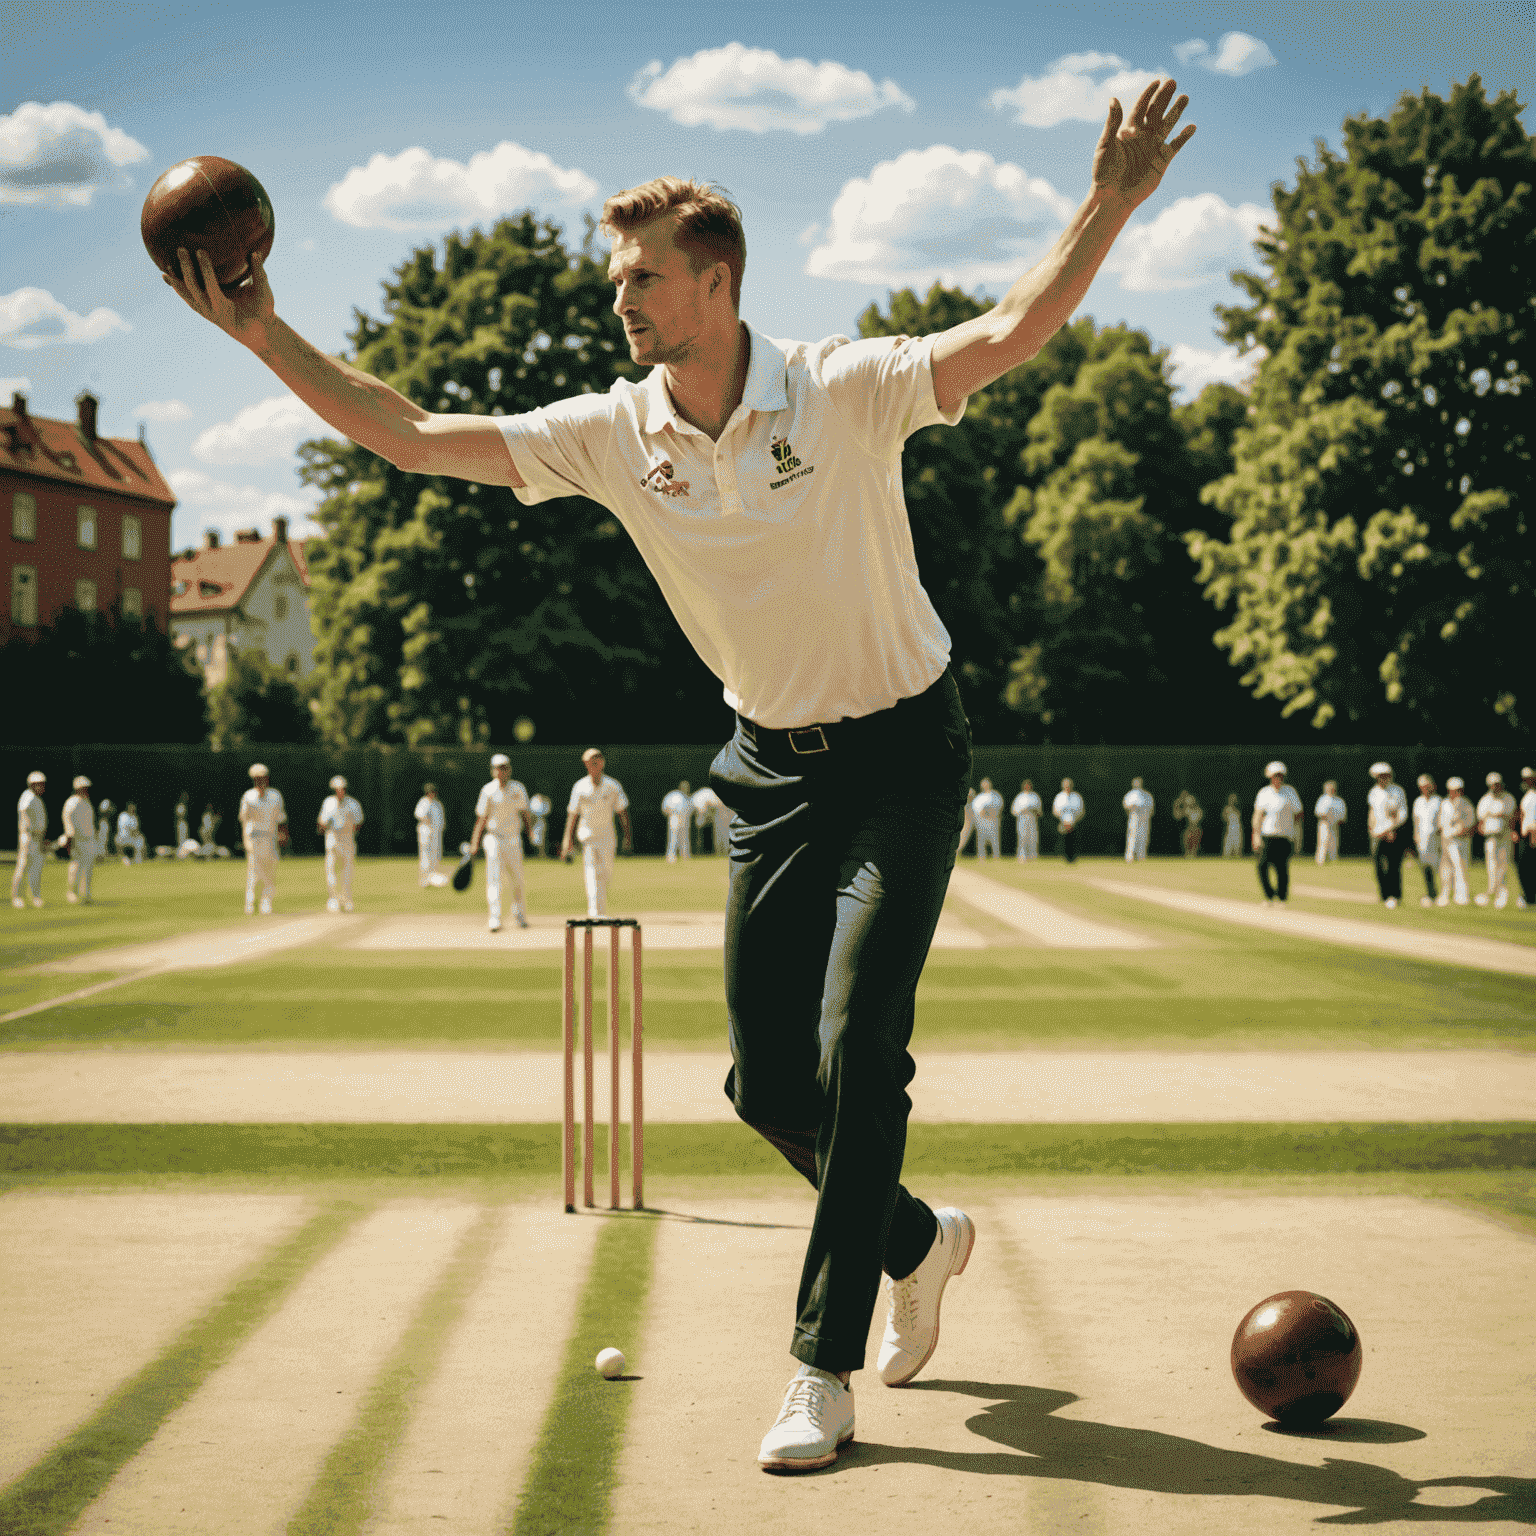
x=1454 y=784
x=501 y=760
x=1494 y=778
x=1275 y=767
x=590 y=753
x=259 y=770
x=1528 y=773
x=338 y=782
x=37 y=776
x=1377 y=769
x=81 y=782
x=1426 y=778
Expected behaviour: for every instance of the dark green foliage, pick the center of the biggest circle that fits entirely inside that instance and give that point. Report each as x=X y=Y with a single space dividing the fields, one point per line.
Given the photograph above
x=258 y=702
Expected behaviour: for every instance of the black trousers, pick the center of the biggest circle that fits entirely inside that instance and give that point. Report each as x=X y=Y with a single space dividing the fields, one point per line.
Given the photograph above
x=1069 y=844
x=1275 y=854
x=839 y=862
x=1525 y=867
x=1388 y=858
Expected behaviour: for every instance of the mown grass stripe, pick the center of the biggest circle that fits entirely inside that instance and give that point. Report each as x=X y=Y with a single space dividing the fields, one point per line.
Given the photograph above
x=48 y=1498
x=575 y=1461
x=344 y=1494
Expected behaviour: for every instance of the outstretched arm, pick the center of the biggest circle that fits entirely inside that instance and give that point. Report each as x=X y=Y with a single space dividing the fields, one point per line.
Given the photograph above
x=356 y=404
x=1128 y=164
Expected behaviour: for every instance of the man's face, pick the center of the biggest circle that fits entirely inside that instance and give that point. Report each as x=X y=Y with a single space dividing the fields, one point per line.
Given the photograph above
x=258 y=779
x=659 y=297
x=595 y=767
x=1454 y=792
x=1383 y=779
x=503 y=772
x=1066 y=785
x=1276 y=780
x=1426 y=787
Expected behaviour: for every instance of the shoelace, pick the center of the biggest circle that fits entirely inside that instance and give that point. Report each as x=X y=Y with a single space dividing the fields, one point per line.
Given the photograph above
x=903 y=1305
x=807 y=1395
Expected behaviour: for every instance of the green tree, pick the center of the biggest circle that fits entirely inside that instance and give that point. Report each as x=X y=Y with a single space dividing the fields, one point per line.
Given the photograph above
x=258 y=702
x=1376 y=563
x=444 y=610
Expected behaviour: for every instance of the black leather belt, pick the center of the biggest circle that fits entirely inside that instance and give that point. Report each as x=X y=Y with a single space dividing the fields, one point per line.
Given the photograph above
x=835 y=735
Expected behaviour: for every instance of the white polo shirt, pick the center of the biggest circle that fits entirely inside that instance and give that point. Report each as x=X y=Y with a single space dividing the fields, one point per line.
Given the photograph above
x=1386 y=809
x=261 y=812
x=31 y=814
x=1026 y=803
x=988 y=807
x=783 y=549
x=341 y=816
x=596 y=805
x=502 y=806
x=1279 y=809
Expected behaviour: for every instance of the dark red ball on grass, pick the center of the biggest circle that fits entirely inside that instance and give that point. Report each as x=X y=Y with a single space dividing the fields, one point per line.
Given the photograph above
x=208 y=204
x=1296 y=1357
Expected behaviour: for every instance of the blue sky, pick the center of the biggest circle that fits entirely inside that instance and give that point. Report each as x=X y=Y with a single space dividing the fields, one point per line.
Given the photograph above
x=870 y=147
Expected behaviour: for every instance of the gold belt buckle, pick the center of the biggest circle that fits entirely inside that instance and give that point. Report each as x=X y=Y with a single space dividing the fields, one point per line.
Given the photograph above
x=821 y=744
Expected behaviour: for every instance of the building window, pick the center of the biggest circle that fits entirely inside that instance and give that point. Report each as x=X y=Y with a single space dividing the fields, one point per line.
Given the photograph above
x=85 y=595
x=133 y=537
x=133 y=602
x=280 y=606
x=23 y=516
x=85 y=527
x=24 y=595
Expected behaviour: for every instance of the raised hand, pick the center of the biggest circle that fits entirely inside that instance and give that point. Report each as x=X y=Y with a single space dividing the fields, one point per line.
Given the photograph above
x=243 y=314
x=1130 y=157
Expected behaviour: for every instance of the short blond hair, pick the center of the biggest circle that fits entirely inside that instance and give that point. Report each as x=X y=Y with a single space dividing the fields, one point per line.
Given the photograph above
x=708 y=223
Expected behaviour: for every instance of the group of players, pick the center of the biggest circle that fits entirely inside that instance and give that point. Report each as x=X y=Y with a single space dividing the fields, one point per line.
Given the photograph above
x=87 y=838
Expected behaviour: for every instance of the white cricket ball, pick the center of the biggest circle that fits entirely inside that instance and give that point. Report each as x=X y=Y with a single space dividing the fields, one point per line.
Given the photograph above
x=610 y=1363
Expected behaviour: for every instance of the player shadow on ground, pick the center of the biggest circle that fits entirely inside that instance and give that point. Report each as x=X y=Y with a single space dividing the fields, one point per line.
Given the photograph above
x=1040 y=1445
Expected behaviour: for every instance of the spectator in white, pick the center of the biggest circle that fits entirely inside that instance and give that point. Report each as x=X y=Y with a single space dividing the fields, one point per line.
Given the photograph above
x=1138 y=806
x=104 y=814
x=1496 y=821
x=1426 y=835
x=595 y=801
x=340 y=817
x=1276 y=832
x=183 y=819
x=1386 y=814
x=80 y=839
x=130 y=838
x=1069 y=811
x=967 y=822
x=987 y=808
x=539 y=807
x=1525 y=844
x=263 y=830
x=431 y=819
x=711 y=814
x=209 y=846
x=1457 y=819
x=1331 y=814
x=677 y=807
x=31 y=834
x=1232 y=835
x=501 y=819
x=1027 y=810
x=1189 y=810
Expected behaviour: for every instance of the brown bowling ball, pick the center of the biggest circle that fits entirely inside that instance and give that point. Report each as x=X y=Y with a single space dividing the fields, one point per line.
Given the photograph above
x=1296 y=1357
x=208 y=204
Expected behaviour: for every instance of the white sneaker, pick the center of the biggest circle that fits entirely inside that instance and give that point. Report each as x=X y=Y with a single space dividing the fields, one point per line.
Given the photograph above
x=250 y=911
x=522 y=922
x=18 y=903
x=333 y=905
x=1481 y=898
x=1442 y=900
x=266 y=909
x=817 y=1417
x=494 y=925
x=1520 y=903
x=346 y=906
x=1426 y=901
x=912 y=1330
x=1501 y=900
x=1391 y=903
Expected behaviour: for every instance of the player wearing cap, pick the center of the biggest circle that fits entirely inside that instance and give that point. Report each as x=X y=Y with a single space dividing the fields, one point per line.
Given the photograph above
x=431 y=819
x=1457 y=819
x=1426 y=835
x=711 y=812
x=183 y=818
x=1189 y=810
x=967 y=821
x=1276 y=832
x=104 y=814
x=1386 y=815
x=501 y=819
x=1232 y=829
x=987 y=808
x=1026 y=811
x=1496 y=820
x=596 y=801
x=1068 y=809
x=1525 y=840
x=80 y=839
x=31 y=834
x=263 y=830
x=340 y=817
x=677 y=807
x=130 y=836
x=1331 y=814
x=1138 y=806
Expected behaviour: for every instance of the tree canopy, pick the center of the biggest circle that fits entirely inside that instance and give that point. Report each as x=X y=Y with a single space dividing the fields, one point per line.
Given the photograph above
x=258 y=702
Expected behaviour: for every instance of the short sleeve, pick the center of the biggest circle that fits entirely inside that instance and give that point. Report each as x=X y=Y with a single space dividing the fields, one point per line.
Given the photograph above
x=483 y=801
x=575 y=802
x=519 y=797
x=882 y=389
x=620 y=799
x=561 y=449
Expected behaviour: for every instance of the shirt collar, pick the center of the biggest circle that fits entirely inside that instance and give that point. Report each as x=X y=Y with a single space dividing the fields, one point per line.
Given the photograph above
x=766 y=388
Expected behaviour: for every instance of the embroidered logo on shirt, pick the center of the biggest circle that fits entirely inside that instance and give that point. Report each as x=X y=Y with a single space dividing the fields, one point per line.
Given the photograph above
x=788 y=464
x=659 y=479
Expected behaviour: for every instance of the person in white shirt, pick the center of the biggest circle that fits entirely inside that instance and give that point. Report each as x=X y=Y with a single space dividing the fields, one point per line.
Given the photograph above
x=677 y=807
x=1027 y=810
x=1496 y=821
x=539 y=807
x=1525 y=846
x=1069 y=811
x=263 y=830
x=1458 y=817
x=987 y=808
x=105 y=812
x=501 y=819
x=130 y=839
x=711 y=813
x=1189 y=810
x=1331 y=814
x=208 y=846
x=1276 y=832
x=80 y=836
x=1232 y=834
x=761 y=483
x=431 y=819
x=1138 y=806
x=1426 y=835
x=967 y=821
x=596 y=801
x=183 y=819
x=31 y=835
x=1386 y=815
x=340 y=817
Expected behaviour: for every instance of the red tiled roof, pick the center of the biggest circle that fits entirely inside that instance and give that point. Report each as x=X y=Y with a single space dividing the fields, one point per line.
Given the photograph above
x=59 y=450
x=215 y=580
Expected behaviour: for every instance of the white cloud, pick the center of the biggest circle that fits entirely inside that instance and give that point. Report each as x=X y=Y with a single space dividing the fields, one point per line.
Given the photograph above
x=161 y=410
x=1192 y=241
x=1236 y=54
x=1075 y=88
x=754 y=89
x=218 y=504
x=271 y=429
x=937 y=215
x=413 y=190
x=14 y=386
x=60 y=155
x=1195 y=367
x=32 y=317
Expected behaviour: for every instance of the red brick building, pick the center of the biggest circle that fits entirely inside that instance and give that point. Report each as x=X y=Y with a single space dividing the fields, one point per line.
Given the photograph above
x=87 y=521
